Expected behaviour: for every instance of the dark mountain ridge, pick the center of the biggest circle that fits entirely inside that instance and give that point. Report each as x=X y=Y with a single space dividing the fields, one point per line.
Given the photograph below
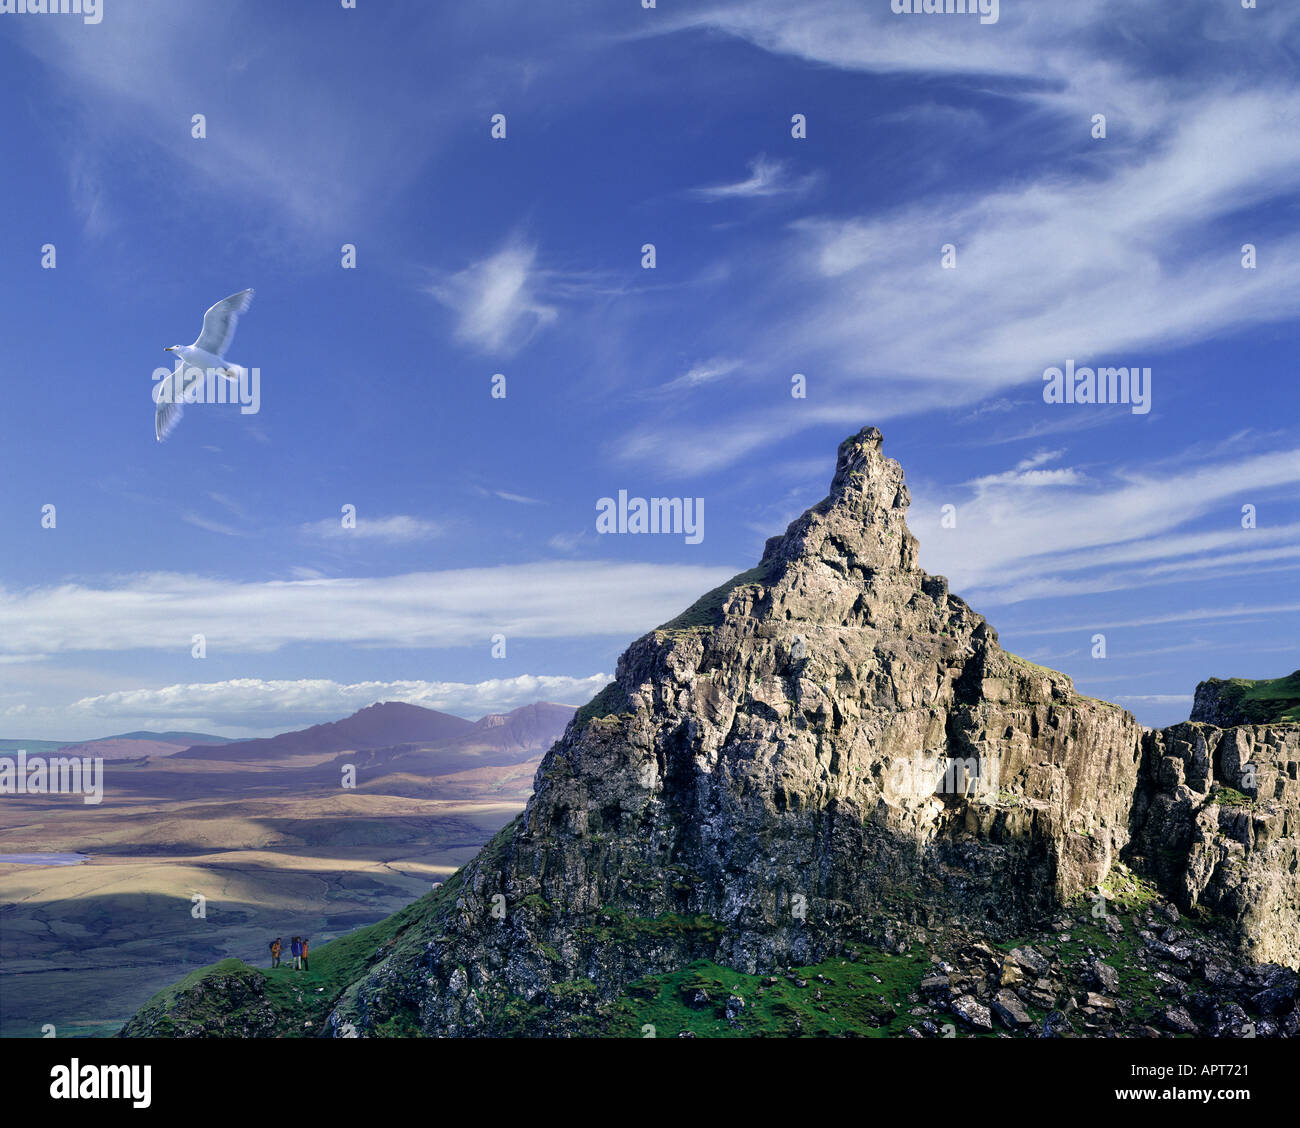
x=381 y=725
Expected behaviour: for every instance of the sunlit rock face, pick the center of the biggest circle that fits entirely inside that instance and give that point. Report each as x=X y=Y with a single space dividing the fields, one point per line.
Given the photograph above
x=830 y=749
x=1218 y=824
x=831 y=746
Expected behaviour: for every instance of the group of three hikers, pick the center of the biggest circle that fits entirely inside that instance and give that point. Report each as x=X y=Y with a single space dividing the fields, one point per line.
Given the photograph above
x=297 y=949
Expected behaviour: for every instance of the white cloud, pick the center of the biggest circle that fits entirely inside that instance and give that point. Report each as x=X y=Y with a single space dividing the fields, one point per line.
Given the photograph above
x=161 y=611
x=1111 y=253
x=1067 y=51
x=129 y=85
x=1107 y=270
x=1157 y=698
x=1238 y=612
x=211 y=526
x=495 y=300
x=1038 y=458
x=856 y=37
x=227 y=503
x=766 y=178
x=706 y=372
x=1031 y=479
x=1016 y=540
x=568 y=542
x=396 y=529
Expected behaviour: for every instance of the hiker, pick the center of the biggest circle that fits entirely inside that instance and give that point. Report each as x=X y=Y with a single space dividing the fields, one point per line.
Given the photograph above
x=275 y=952
x=295 y=950
x=304 y=953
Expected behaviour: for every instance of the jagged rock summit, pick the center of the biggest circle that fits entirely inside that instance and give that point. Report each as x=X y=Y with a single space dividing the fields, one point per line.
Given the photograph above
x=771 y=776
x=831 y=750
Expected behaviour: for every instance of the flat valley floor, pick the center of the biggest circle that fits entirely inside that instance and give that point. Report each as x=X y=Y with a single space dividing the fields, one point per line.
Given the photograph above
x=273 y=850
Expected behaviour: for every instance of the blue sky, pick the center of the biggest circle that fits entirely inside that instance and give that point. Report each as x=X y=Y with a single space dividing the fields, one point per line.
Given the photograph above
x=522 y=256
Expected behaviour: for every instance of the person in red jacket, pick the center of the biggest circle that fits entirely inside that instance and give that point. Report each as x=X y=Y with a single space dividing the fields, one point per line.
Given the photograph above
x=304 y=953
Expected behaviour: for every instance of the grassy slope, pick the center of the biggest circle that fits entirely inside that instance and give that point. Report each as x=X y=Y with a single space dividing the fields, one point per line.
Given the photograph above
x=865 y=997
x=873 y=996
x=707 y=610
x=302 y=999
x=1266 y=700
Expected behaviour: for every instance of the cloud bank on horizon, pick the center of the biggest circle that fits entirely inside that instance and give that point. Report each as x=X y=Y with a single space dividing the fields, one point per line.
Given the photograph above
x=465 y=343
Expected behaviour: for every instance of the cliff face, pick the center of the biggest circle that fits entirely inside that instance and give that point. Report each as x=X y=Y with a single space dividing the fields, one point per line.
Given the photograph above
x=1218 y=825
x=829 y=747
x=832 y=724
x=831 y=750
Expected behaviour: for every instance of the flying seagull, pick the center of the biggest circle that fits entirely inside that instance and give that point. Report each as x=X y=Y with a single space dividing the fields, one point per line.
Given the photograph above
x=208 y=352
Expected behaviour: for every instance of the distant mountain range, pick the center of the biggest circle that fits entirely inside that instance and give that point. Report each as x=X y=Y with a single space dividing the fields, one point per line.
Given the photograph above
x=122 y=746
x=317 y=831
x=497 y=747
x=497 y=737
x=394 y=725
x=169 y=737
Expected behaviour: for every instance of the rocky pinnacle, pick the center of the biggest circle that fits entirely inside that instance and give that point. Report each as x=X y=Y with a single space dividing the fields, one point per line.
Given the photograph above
x=828 y=750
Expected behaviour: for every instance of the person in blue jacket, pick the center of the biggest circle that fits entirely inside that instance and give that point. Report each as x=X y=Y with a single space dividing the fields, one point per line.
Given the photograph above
x=295 y=950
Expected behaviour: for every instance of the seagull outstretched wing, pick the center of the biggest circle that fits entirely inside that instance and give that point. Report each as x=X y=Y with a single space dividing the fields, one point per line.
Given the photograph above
x=170 y=399
x=219 y=323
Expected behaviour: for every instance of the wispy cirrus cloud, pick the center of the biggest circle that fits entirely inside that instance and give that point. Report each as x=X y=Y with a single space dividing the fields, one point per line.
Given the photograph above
x=461 y=607
x=766 y=177
x=398 y=528
x=509 y=495
x=705 y=372
x=366 y=140
x=1118 y=247
x=211 y=526
x=496 y=300
x=1049 y=270
x=1038 y=458
x=1021 y=536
